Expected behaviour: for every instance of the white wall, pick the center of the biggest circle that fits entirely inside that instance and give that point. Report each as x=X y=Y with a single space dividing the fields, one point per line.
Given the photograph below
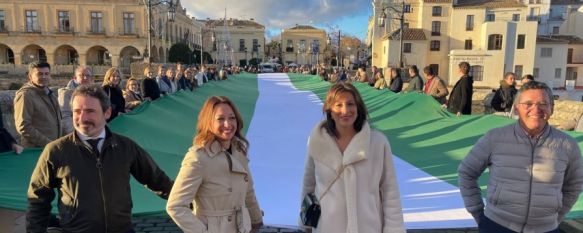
x=547 y=65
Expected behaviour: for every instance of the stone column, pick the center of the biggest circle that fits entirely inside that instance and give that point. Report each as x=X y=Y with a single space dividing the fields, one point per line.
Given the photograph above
x=82 y=59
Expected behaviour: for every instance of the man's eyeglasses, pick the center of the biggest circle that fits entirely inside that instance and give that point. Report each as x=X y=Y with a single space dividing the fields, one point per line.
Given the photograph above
x=530 y=105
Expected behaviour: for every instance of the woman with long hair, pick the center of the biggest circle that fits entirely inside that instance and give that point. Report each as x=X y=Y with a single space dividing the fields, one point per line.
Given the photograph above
x=111 y=86
x=215 y=176
x=349 y=169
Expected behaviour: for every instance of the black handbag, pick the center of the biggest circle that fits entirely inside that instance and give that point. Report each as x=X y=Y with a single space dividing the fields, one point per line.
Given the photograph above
x=310 y=212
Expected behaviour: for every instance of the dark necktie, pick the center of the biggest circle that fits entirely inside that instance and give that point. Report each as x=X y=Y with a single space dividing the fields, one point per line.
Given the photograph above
x=93 y=143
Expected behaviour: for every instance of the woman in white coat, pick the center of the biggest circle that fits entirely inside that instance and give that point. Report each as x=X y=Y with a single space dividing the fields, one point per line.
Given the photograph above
x=215 y=176
x=355 y=163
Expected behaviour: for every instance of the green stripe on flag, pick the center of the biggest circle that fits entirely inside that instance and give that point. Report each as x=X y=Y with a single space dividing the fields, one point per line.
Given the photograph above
x=164 y=128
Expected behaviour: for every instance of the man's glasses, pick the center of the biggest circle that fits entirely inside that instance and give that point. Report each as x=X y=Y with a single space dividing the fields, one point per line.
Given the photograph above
x=530 y=105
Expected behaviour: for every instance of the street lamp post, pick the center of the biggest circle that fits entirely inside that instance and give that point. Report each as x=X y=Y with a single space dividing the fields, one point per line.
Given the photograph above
x=171 y=17
x=401 y=18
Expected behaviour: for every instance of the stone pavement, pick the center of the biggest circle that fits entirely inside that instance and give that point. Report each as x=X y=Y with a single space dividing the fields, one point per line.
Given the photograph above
x=13 y=221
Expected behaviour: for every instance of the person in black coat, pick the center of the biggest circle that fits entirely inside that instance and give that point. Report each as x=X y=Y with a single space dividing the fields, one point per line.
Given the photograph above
x=460 y=99
x=111 y=87
x=396 y=84
x=184 y=80
x=150 y=89
x=504 y=96
x=7 y=142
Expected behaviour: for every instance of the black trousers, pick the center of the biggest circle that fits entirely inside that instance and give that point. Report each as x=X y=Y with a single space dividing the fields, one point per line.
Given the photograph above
x=488 y=226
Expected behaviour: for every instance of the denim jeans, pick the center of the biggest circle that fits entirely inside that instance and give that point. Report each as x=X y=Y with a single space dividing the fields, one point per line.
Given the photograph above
x=488 y=226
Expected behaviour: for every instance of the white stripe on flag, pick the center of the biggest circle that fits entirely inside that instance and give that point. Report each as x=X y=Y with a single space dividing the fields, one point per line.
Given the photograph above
x=278 y=132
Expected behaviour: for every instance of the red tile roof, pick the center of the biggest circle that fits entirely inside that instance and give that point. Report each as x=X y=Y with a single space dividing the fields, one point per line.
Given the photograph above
x=410 y=34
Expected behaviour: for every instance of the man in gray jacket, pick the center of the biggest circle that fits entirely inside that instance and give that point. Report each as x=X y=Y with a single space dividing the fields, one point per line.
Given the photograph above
x=535 y=170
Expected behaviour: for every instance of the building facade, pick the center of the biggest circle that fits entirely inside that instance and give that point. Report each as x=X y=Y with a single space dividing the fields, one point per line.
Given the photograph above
x=234 y=41
x=66 y=33
x=493 y=36
x=304 y=45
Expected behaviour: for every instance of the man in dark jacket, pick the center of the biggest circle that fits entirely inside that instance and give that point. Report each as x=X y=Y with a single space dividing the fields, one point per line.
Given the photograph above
x=460 y=99
x=504 y=96
x=91 y=169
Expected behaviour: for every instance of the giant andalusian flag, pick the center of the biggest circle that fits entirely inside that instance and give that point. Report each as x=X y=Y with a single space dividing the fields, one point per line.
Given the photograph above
x=279 y=113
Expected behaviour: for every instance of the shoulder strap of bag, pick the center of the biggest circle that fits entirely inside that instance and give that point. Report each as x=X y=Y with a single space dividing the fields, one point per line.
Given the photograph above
x=330 y=186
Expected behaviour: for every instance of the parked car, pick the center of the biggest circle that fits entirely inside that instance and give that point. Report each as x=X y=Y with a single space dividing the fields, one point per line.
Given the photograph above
x=266 y=68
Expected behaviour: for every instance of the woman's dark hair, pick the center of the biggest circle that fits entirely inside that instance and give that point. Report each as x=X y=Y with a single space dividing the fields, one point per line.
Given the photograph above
x=331 y=97
x=414 y=69
x=398 y=70
x=428 y=70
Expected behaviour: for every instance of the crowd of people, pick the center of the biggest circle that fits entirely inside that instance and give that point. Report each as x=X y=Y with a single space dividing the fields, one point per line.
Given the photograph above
x=536 y=172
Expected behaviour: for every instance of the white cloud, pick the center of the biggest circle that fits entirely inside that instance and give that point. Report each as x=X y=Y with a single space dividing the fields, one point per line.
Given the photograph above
x=277 y=14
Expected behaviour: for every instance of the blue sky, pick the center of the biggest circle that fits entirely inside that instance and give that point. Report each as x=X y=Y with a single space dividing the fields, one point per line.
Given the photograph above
x=351 y=16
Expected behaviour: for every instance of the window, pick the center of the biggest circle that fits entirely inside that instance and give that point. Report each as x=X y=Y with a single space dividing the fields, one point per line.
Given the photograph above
x=242 y=45
x=97 y=22
x=129 y=24
x=434 y=46
x=469 y=23
x=555 y=30
x=302 y=46
x=518 y=71
x=64 y=21
x=495 y=42
x=468 y=45
x=407 y=8
x=32 y=21
x=2 y=21
x=436 y=11
x=546 y=52
x=316 y=46
x=406 y=25
x=490 y=17
x=435 y=28
x=516 y=17
x=290 y=46
x=255 y=45
x=535 y=73
x=477 y=72
x=160 y=31
x=557 y=73
x=520 y=41
x=569 y=56
x=406 y=47
x=435 y=68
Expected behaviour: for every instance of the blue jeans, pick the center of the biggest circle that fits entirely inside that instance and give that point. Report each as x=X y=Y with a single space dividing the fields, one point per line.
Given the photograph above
x=488 y=226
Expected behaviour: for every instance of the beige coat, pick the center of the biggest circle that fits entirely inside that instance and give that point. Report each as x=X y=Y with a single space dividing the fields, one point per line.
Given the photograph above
x=37 y=116
x=222 y=197
x=132 y=99
x=365 y=198
x=438 y=90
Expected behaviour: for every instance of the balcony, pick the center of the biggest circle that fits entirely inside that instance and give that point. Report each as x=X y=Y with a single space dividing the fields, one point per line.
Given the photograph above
x=436 y=33
x=34 y=29
x=533 y=18
x=289 y=50
x=128 y=32
x=96 y=31
x=65 y=30
x=3 y=29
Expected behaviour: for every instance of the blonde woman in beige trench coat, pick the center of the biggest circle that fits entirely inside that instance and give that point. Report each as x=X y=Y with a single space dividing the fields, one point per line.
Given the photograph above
x=215 y=176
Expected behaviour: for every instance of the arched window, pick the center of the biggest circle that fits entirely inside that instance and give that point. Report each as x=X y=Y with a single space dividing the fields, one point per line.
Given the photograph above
x=495 y=42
